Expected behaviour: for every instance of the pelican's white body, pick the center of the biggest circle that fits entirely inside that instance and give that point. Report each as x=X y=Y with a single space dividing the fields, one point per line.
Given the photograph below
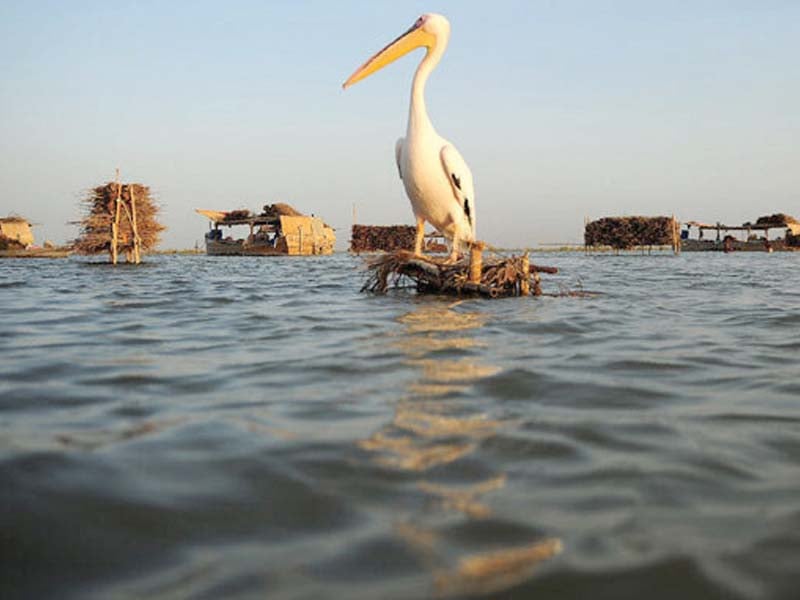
x=431 y=191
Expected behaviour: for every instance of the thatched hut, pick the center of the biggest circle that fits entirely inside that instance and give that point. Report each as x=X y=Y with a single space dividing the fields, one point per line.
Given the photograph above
x=15 y=233
x=120 y=218
x=386 y=238
x=626 y=233
x=391 y=238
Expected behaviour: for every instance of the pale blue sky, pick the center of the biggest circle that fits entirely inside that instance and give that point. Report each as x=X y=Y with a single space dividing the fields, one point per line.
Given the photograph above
x=563 y=109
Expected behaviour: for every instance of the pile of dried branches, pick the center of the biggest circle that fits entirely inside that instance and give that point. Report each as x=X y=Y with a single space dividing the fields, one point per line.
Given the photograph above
x=776 y=220
x=624 y=233
x=500 y=277
x=280 y=209
x=388 y=238
x=7 y=243
x=238 y=214
x=274 y=211
x=101 y=208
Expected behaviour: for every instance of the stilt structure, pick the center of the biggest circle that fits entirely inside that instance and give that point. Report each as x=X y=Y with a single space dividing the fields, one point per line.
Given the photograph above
x=120 y=219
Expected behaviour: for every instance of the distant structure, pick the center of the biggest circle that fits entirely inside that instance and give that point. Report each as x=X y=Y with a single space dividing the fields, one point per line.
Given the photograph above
x=121 y=218
x=15 y=233
x=391 y=238
x=278 y=230
x=748 y=237
x=629 y=233
x=16 y=241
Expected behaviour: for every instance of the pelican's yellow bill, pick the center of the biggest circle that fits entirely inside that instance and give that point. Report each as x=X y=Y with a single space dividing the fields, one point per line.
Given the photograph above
x=410 y=40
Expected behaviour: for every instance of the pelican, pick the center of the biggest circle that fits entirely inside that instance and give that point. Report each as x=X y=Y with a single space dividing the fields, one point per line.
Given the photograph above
x=436 y=178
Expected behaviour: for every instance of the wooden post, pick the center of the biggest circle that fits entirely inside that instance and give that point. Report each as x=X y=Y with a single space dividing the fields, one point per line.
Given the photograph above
x=585 y=223
x=137 y=242
x=537 y=281
x=300 y=234
x=676 y=238
x=476 y=261
x=525 y=284
x=115 y=223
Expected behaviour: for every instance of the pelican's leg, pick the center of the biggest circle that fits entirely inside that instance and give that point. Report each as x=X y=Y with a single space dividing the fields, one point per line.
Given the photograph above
x=420 y=236
x=454 y=253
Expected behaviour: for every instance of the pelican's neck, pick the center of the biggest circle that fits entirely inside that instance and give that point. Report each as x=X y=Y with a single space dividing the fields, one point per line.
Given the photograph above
x=418 y=119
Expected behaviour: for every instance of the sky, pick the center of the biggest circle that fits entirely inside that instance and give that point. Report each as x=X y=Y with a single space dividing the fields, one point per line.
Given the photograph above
x=563 y=109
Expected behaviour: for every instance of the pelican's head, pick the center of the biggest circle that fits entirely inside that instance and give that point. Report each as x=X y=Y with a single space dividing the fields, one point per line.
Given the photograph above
x=430 y=30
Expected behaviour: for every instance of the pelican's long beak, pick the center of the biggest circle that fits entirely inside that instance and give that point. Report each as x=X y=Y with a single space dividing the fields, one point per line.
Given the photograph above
x=410 y=40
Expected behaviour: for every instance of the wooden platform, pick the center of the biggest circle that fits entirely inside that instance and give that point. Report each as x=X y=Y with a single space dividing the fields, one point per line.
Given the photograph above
x=36 y=253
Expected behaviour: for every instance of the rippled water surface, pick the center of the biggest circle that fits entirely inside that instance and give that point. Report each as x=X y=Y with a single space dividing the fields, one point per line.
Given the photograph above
x=257 y=428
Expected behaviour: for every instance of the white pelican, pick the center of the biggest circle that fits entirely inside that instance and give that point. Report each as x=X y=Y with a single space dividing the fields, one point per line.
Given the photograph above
x=437 y=180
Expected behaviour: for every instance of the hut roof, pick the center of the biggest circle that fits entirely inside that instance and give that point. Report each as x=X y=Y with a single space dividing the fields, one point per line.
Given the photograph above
x=270 y=215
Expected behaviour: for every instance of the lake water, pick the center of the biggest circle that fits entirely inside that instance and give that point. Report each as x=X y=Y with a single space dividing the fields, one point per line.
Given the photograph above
x=205 y=427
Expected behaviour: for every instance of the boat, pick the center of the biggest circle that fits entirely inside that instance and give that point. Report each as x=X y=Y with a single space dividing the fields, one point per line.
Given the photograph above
x=278 y=230
x=35 y=252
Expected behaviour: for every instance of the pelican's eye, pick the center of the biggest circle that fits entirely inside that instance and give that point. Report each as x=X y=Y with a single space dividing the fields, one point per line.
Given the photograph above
x=419 y=22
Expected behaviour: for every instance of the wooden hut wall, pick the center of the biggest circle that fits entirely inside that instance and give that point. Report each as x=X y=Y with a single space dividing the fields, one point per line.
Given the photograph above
x=306 y=235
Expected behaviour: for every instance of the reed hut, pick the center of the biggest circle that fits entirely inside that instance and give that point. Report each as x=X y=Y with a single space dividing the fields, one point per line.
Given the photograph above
x=386 y=238
x=627 y=233
x=121 y=218
x=15 y=233
x=391 y=238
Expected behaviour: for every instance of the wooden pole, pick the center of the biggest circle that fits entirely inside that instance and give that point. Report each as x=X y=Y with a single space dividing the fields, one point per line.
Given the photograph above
x=525 y=284
x=115 y=223
x=676 y=239
x=300 y=233
x=476 y=261
x=137 y=242
x=537 y=283
x=585 y=223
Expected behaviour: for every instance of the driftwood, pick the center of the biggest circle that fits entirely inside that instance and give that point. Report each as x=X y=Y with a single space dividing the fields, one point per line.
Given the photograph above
x=496 y=278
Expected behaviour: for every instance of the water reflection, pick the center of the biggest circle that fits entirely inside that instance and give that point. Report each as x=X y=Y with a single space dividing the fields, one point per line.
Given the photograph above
x=430 y=427
x=434 y=425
